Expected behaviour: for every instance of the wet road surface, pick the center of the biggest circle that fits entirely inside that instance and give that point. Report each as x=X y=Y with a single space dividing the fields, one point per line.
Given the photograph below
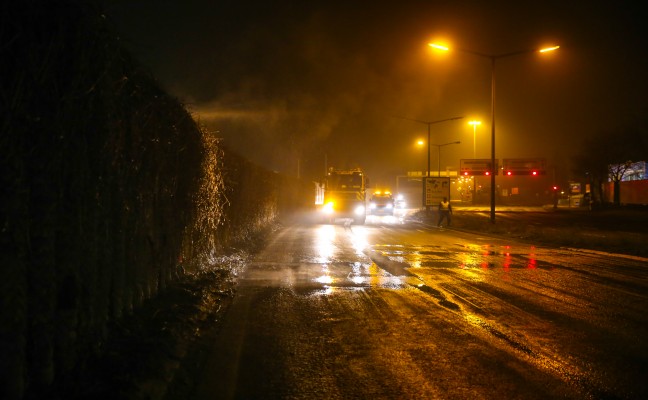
x=402 y=311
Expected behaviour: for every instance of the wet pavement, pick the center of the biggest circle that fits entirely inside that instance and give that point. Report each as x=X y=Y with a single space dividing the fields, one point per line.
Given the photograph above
x=395 y=309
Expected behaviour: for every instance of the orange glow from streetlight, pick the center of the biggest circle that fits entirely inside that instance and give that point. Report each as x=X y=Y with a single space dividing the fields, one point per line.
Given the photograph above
x=473 y=123
x=546 y=49
x=420 y=142
x=438 y=46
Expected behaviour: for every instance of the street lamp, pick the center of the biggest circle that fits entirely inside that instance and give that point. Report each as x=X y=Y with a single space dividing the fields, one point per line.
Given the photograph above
x=428 y=123
x=438 y=146
x=474 y=125
x=493 y=58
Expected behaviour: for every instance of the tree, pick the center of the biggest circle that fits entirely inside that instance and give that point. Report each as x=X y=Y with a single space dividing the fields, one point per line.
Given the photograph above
x=607 y=155
x=615 y=173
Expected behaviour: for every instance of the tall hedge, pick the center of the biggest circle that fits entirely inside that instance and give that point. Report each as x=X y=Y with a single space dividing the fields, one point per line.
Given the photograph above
x=103 y=177
x=108 y=190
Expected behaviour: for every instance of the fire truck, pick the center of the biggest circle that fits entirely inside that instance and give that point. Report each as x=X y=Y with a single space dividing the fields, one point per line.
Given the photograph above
x=342 y=194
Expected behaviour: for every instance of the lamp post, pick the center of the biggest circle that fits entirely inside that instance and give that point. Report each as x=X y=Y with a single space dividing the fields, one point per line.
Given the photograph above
x=438 y=146
x=428 y=123
x=493 y=58
x=474 y=125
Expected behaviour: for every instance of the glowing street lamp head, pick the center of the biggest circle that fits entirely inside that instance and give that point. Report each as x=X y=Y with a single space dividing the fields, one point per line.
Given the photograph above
x=420 y=142
x=438 y=46
x=547 y=49
x=474 y=123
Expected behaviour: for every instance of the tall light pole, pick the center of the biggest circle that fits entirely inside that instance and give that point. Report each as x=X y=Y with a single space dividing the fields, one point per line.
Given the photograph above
x=474 y=125
x=438 y=146
x=428 y=123
x=493 y=58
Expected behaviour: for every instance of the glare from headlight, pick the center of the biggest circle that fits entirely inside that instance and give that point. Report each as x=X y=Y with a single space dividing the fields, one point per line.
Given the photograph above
x=390 y=205
x=328 y=208
x=359 y=210
x=372 y=205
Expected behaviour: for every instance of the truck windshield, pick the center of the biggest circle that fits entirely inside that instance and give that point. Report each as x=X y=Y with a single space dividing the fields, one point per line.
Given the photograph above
x=344 y=181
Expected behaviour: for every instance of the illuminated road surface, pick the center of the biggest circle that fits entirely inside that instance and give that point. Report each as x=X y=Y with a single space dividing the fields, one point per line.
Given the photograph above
x=396 y=311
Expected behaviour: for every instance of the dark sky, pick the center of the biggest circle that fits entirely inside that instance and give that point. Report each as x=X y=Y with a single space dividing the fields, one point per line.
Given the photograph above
x=312 y=81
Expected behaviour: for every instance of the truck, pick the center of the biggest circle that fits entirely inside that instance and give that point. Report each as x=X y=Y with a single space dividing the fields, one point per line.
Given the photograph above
x=342 y=194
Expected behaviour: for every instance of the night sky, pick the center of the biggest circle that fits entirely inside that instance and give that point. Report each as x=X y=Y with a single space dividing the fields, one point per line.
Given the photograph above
x=311 y=83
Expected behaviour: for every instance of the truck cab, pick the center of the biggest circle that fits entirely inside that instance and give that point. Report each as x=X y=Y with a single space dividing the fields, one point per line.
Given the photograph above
x=342 y=195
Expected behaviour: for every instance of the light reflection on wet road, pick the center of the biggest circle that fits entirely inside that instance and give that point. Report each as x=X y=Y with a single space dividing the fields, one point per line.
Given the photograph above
x=391 y=310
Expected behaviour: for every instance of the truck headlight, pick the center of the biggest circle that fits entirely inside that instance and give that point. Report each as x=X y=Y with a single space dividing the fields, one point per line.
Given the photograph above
x=390 y=206
x=328 y=208
x=359 y=210
x=372 y=205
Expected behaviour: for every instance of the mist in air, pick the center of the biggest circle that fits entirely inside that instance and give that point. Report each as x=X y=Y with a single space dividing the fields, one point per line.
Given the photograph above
x=296 y=87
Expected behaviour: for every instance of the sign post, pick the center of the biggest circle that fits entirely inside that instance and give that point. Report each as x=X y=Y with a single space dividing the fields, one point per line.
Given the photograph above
x=436 y=189
x=478 y=166
x=524 y=166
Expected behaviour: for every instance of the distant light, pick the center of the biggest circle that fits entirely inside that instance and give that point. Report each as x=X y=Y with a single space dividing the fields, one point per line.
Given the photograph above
x=487 y=173
x=509 y=173
x=438 y=46
x=534 y=173
x=546 y=49
x=474 y=123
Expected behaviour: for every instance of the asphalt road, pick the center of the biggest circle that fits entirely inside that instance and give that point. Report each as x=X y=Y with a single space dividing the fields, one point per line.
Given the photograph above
x=392 y=310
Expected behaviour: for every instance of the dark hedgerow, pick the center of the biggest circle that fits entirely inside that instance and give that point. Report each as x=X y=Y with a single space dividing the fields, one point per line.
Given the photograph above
x=109 y=190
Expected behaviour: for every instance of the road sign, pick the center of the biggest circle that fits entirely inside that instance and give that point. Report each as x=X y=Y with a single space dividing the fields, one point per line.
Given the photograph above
x=524 y=166
x=436 y=189
x=416 y=174
x=479 y=166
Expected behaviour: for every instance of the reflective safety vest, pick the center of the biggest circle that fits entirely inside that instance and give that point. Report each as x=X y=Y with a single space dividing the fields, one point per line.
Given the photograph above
x=444 y=206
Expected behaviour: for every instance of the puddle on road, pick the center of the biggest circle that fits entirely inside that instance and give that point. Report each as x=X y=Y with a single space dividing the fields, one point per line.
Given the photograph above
x=353 y=276
x=466 y=256
x=423 y=267
x=398 y=266
x=385 y=266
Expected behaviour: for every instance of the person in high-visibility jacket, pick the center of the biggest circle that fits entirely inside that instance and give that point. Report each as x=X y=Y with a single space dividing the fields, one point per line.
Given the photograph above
x=445 y=211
